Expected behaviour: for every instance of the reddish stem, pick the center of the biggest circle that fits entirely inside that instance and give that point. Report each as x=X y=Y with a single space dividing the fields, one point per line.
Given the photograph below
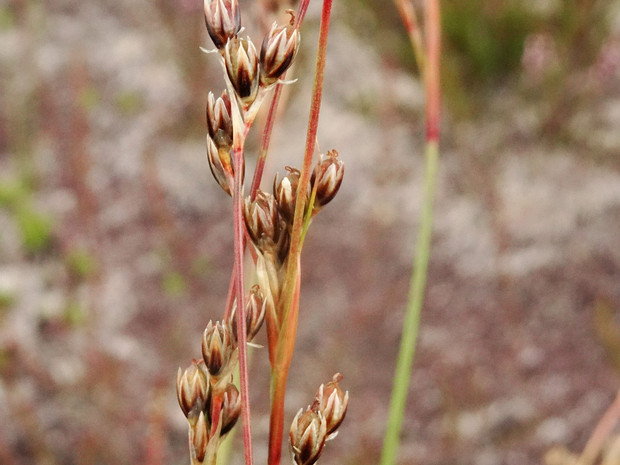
x=410 y=21
x=264 y=147
x=290 y=293
x=271 y=116
x=433 y=88
x=239 y=231
x=281 y=368
x=301 y=13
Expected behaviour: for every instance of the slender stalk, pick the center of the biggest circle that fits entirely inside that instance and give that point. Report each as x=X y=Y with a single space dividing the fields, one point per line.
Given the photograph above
x=264 y=146
x=271 y=116
x=239 y=231
x=422 y=254
x=306 y=170
x=290 y=293
x=410 y=21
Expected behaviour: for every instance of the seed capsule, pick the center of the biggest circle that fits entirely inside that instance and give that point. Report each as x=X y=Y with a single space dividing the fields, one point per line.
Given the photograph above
x=199 y=437
x=307 y=436
x=285 y=193
x=265 y=227
x=218 y=349
x=220 y=164
x=254 y=313
x=278 y=52
x=327 y=176
x=193 y=389
x=223 y=20
x=241 y=62
x=332 y=403
x=219 y=121
x=231 y=408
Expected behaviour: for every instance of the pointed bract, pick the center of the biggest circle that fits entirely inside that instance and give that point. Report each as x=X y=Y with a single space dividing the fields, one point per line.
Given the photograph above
x=218 y=350
x=231 y=408
x=264 y=224
x=223 y=20
x=278 y=52
x=332 y=403
x=220 y=164
x=254 y=313
x=200 y=437
x=307 y=436
x=219 y=120
x=193 y=389
x=285 y=193
x=241 y=62
x=327 y=176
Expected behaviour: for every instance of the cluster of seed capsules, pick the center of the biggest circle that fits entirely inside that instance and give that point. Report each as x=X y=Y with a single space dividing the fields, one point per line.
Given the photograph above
x=318 y=423
x=206 y=394
x=249 y=75
x=205 y=391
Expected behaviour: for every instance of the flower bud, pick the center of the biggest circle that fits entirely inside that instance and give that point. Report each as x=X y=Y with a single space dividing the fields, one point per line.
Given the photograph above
x=231 y=408
x=332 y=403
x=218 y=349
x=193 y=389
x=277 y=52
x=220 y=164
x=307 y=436
x=285 y=193
x=254 y=313
x=199 y=438
x=264 y=225
x=223 y=20
x=327 y=176
x=242 y=68
x=219 y=120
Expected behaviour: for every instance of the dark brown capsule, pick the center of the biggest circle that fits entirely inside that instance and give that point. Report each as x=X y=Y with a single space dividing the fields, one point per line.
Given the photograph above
x=218 y=349
x=219 y=120
x=278 y=52
x=307 y=436
x=327 y=177
x=285 y=193
x=193 y=389
x=223 y=20
x=241 y=63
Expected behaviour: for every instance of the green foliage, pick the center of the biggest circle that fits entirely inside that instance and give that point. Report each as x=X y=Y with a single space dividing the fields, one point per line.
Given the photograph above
x=74 y=314
x=89 y=97
x=7 y=18
x=6 y=301
x=81 y=264
x=12 y=194
x=486 y=38
x=129 y=103
x=35 y=229
x=174 y=284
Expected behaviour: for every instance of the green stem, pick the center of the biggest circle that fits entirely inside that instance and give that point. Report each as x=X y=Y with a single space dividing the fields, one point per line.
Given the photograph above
x=409 y=336
x=412 y=317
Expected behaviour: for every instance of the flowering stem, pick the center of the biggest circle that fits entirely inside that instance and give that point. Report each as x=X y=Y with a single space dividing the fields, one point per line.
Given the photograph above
x=239 y=231
x=422 y=255
x=264 y=146
x=289 y=299
x=271 y=116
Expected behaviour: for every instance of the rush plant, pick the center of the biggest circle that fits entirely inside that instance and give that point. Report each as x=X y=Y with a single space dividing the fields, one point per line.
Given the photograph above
x=274 y=224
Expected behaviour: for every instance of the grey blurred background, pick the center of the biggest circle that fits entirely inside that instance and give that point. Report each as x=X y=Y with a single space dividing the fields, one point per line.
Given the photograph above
x=116 y=243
